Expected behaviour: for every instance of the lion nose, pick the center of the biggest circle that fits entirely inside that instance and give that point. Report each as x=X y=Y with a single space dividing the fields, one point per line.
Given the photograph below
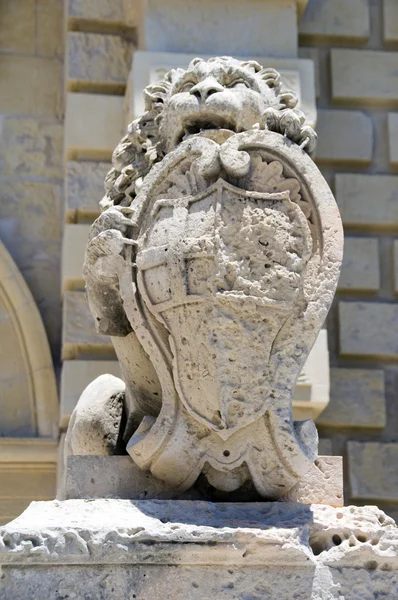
x=204 y=89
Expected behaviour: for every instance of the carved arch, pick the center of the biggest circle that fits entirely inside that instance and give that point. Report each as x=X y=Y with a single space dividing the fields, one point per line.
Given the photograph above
x=27 y=379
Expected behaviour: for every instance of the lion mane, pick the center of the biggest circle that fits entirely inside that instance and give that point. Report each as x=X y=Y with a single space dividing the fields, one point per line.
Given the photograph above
x=142 y=146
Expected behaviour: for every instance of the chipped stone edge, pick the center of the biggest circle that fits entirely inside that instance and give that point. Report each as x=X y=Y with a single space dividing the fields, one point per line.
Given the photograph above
x=171 y=532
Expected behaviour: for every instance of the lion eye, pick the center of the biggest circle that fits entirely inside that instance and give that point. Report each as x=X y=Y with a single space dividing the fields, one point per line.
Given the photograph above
x=237 y=82
x=188 y=85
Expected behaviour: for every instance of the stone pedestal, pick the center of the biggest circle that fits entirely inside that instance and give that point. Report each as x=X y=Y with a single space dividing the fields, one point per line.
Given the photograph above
x=179 y=550
x=120 y=478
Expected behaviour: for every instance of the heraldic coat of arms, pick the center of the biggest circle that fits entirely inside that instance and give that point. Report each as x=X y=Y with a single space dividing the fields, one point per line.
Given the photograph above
x=212 y=267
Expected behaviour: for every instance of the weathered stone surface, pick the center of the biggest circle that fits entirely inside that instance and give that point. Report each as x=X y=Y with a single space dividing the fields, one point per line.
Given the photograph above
x=335 y=19
x=264 y=271
x=33 y=483
x=73 y=247
x=356 y=399
x=393 y=138
x=95 y=429
x=28 y=402
x=312 y=54
x=119 y=477
x=390 y=21
x=30 y=227
x=395 y=252
x=83 y=137
x=76 y=376
x=368 y=201
x=360 y=269
x=369 y=329
x=31 y=147
x=103 y=15
x=209 y=28
x=50 y=28
x=98 y=60
x=79 y=338
x=84 y=184
x=178 y=550
x=364 y=77
x=18 y=26
x=372 y=470
x=41 y=76
x=344 y=137
x=34 y=457
x=311 y=394
x=325 y=447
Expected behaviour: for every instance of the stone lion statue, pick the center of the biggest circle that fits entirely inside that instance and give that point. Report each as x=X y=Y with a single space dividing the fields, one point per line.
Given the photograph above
x=187 y=147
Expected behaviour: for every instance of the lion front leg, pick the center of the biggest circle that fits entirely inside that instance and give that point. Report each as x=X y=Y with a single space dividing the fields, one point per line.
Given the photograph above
x=108 y=255
x=97 y=422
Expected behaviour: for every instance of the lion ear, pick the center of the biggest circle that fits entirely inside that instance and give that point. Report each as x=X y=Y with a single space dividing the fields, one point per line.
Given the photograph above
x=270 y=76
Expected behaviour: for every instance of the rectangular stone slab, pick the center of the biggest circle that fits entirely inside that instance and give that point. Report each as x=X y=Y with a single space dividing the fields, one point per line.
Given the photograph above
x=179 y=550
x=119 y=477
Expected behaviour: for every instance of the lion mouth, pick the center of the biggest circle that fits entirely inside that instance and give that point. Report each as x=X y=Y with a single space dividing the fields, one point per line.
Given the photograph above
x=206 y=124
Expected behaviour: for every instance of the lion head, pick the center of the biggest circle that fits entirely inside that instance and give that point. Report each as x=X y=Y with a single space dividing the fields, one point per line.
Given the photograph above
x=215 y=98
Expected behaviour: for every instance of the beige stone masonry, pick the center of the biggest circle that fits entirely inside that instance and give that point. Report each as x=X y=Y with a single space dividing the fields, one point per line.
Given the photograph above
x=73 y=248
x=390 y=21
x=364 y=77
x=356 y=399
x=149 y=67
x=313 y=54
x=344 y=137
x=360 y=270
x=40 y=76
x=372 y=471
x=27 y=377
x=107 y=16
x=38 y=450
x=27 y=472
x=79 y=337
x=31 y=223
x=334 y=20
x=393 y=139
x=369 y=329
x=18 y=32
x=96 y=62
x=76 y=376
x=84 y=187
x=395 y=255
x=367 y=201
x=325 y=447
x=270 y=28
x=50 y=28
x=93 y=125
x=31 y=147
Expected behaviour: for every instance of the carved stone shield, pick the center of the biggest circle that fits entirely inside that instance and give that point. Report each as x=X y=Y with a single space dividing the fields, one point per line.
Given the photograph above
x=221 y=271
x=233 y=276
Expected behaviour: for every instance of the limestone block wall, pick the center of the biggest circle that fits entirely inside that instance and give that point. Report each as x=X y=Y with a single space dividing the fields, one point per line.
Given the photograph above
x=354 y=45
x=31 y=207
x=31 y=165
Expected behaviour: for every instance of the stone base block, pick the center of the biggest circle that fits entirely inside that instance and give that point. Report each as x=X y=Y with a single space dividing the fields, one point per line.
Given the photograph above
x=119 y=477
x=179 y=550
